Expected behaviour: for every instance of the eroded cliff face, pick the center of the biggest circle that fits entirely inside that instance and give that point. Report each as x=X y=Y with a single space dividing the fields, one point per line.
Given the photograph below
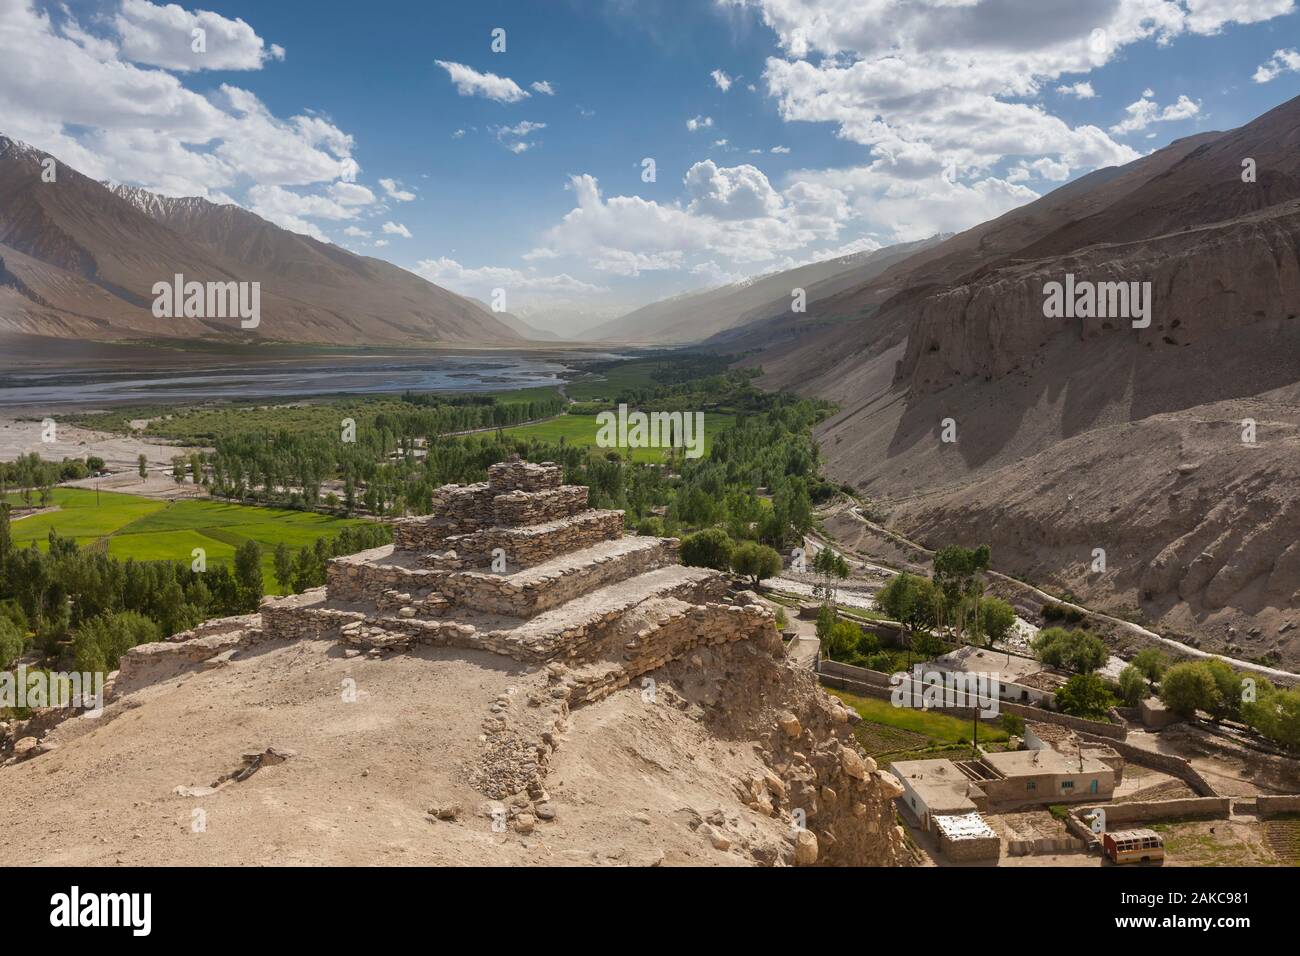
x=1207 y=285
x=1084 y=433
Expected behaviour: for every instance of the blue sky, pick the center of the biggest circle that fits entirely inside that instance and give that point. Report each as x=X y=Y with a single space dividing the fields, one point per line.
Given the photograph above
x=820 y=126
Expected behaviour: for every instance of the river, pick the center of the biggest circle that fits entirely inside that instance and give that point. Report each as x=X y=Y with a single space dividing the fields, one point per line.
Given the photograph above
x=165 y=377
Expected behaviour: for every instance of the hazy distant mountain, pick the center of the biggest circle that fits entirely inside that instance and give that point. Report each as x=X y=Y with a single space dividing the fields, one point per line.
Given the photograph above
x=79 y=260
x=518 y=325
x=695 y=316
x=1076 y=434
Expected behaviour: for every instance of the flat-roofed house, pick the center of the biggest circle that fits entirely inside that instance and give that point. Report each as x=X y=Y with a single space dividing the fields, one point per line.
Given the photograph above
x=933 y=788
x=1046 y=776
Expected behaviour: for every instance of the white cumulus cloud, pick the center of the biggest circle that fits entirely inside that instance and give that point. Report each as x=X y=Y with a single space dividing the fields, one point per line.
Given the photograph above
x=394 y=191
x=470 y=82
x=169 y=36
x=1282 y=61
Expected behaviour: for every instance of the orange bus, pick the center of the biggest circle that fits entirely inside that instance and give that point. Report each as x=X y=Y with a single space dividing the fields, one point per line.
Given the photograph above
x=1133 y=846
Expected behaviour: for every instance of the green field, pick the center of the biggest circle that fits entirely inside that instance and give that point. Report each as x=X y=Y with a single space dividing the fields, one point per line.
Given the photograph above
x=898 y=733
x=581 y=430
x=151 y=530
x=607 y=385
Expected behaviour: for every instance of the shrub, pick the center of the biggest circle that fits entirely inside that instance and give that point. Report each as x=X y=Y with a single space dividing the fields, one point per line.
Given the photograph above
x=755 y=561
x=651 y=527
x=1151 y=662
x=1132 y=685
x=101 y=641
x=1084 y=695
x=842 y=642
x=1072 y=650
x=11 y=642
x=1189 y=687
x=710 y=548
x=1059 y=612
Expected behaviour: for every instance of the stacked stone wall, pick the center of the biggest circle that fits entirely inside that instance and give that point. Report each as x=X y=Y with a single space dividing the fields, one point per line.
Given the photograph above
x=530 y=545
x=496 y=593
x=365 y=577
x=535 y=507
x=517 y=475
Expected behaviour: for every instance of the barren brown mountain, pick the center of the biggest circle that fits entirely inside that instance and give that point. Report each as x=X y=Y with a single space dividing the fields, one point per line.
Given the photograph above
x=79 y=260
x=1082 y=434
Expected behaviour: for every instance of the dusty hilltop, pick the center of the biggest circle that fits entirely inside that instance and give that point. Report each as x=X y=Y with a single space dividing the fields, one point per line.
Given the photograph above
x=592 y=702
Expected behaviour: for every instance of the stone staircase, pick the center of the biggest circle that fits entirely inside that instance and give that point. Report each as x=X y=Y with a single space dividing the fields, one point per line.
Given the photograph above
x=573 y=590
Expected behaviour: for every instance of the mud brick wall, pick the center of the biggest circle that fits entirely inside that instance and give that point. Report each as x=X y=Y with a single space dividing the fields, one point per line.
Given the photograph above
x=1154 y=811
x=1270 y=804
x=971 y=848
x=1171 y=764
x=524 y=476
x=535 y=507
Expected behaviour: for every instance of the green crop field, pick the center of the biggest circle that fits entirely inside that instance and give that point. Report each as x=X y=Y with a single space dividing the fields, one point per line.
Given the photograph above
x=581 y=430
x=894 y=733
x=151 y=530
x=606 y=385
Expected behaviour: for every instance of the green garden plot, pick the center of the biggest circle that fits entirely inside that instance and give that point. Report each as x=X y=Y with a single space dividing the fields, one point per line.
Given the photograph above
x=149 y=530
x=580 y=431
x=911 y=727
x=169 y=546
x=80 y=517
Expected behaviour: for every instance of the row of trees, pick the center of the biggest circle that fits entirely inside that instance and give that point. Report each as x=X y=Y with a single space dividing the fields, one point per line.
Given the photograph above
x=380 y=462
x=33 y=478
x=952 y=601
x=1210 y=686
x=1213 y=687
x=67 y=602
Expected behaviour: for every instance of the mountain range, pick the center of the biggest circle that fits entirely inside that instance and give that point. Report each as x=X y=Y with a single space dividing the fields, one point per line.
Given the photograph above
x=79 y=260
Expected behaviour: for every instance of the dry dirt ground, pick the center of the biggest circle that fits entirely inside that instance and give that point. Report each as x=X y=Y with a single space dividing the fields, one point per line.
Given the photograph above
x=630 y=782
x=21 y=436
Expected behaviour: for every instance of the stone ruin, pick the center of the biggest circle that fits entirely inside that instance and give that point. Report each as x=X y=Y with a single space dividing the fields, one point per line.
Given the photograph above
x=520 y=565
x=590 y=608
